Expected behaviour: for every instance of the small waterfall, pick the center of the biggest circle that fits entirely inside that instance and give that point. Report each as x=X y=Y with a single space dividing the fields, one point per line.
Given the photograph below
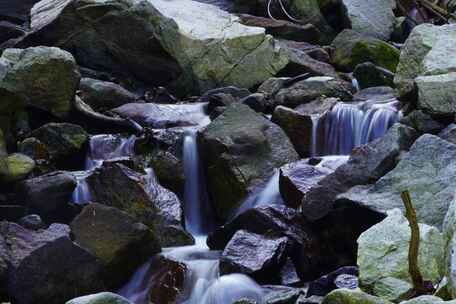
x=355 y=84
x=349 y=125
x=137 y=289
x=101 y=148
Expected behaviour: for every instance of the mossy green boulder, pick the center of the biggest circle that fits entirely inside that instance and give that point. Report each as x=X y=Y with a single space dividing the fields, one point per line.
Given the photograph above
x=352 y=296
x=383 y=252
x=15 y=167
x=100 y=298
x=352 y=48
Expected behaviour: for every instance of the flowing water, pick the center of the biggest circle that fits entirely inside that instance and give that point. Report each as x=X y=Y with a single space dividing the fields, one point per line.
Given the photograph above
x=349 y=125
x=226 y=5
x=101 y=148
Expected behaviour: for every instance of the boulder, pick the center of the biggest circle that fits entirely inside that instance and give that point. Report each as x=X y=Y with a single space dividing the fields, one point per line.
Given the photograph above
x=32 y=222
x=449 y=133
x=63 y=141
x=352 y=48
x=392 y=289
x=436 y=93
x=239 y=157
x=297 y=126
x=425 y=172
x=423 y=122
x=161 y=116
x=426 y=299
x=383 y=251
x=348 y=296
x=100 y=298
x=43 y=77
x=307 y=90
x=118 y=37
x=48 y=265
x=366 y=165
x=369 y=75
x=142 y=197
x=427 y=52
x=104 y=95
x=258 y=256
x=116 y=239
x=48 y=195
x=297 y=178
x=15 y=167
x=372 y=18
x=449 y=228
x=327 y=283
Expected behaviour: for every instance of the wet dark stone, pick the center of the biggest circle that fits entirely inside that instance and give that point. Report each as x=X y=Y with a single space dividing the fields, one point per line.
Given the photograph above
x=327 y=283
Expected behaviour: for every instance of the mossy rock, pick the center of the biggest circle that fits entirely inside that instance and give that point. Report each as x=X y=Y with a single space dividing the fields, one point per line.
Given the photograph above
x=15 y=167
x=349 y=296
x=352 y=48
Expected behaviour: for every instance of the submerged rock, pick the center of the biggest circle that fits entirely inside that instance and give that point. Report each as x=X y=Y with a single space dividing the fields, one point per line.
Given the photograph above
x=100 y=298
x=383 y=252
x=425 y=171
x=143 y=198
x=258 y=256
x=114 y=237
x=43 y=77
x=241 y=149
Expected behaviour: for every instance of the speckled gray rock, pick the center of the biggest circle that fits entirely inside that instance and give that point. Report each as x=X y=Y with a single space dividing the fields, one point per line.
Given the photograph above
x=449 y=133
x=349 y=296
x=427 y=171
x=383 y=251
x=437 y=93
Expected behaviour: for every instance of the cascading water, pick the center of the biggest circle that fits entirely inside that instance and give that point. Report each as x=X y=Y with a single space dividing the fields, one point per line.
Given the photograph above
x=101 y=148
x=349 y=125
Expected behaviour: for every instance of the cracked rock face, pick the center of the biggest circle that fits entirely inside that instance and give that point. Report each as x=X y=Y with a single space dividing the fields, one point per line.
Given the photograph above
x=219 y=55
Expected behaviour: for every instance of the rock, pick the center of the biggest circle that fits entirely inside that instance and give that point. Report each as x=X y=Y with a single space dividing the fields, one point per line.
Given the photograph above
x=297 y=178
x=423 y=122
x=35 y=265
x=296 y=126
x=240 y=157
x=301 y=62
x=370 y=75
x=427 y=299
x=327 y=283
x=255 y=255
x=260 y=220
x=427 y=183
x=392 y=289
x=256 y=102
x=104 y=95
x=383 y=251
x=167 y=279
x=32 y=222
x=352 y=48
x=449 y=228
x=372 y=18
x=34 y=148
x=235 y=92
x=100 y=298
x=143 y=198
x=288 y=274
x=159 y=116
x=114 y=237
x=9 y=30
x=366 y=165
x=449 y=133
x=425 y=53
x=283 y=29
x=276 y=294
x=348 y=296
x=63 y=141
x=48 y=195
x=307 y=90
x=124 y=44
x=436 y=94
x=44 y=77
x=15 y=167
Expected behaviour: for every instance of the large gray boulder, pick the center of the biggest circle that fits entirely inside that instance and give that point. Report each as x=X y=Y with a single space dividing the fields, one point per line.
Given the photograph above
x=43 y=77
x=437 y=93
x=142 y=197
x=366 y=165
x=120 y=242
x=427 y=52
x=48 y=265
x=383 y=252
x=370 y=17
x=426 y=171
x=241 y=150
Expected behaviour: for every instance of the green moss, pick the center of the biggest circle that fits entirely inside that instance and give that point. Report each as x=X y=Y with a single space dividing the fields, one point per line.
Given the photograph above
x=378 y=52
